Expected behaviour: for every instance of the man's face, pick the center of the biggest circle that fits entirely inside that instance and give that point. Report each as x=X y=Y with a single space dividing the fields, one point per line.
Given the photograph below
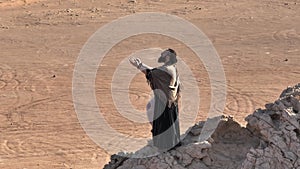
x=163 y=57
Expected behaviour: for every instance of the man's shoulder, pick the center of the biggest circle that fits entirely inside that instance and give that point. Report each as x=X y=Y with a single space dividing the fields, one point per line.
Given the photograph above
x=170 y=69
x=160 y=71
x=167 y=67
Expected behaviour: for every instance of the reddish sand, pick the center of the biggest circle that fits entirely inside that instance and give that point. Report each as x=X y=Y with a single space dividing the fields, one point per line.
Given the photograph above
x=258 y=42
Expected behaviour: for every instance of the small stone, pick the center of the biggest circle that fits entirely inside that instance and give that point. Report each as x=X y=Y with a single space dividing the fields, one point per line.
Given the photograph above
x=265 y=165
x=203 y=145
x=169 y=160
x=286 y=163
x=247 y=164
x=251 y=158
x=252 y=151
x=197 y=164
x=139 y=167
x=260 y=152
x=160 y=165
x=207 y=161
x=296 y=104
x=178 y=167
x=197 y=8
x=69 y=10
x=186 y=159
x=4 y=27
x=260 y=161
x=269 y=106
x=268 y=154
x=291 y=156
x=290 y=127
x=196 y=131
x=265 y=133
x=94 y=10
x=132 y=1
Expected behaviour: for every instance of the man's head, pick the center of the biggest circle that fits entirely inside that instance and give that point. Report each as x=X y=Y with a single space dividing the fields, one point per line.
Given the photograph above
x=168 y=57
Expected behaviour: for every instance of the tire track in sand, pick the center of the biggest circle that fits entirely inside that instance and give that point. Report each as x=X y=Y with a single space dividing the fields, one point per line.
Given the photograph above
x=285 y=34
x=239 y=103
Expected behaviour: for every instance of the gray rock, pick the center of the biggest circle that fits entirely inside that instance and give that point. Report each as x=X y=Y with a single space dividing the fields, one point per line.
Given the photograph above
x=270 y=140
x=197 y=164
x=139 y=167
x=290 y=155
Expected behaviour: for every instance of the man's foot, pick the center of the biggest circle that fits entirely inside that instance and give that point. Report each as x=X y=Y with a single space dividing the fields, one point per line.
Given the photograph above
x=177 y=145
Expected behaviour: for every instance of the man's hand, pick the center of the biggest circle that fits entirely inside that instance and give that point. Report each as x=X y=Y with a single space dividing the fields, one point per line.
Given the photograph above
x=135 y=61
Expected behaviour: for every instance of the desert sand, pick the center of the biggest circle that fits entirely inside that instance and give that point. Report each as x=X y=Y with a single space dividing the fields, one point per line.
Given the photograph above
x=258 y=43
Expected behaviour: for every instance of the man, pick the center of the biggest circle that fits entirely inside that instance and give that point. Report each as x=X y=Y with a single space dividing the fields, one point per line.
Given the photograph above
x=164 y=81
x=150 y=110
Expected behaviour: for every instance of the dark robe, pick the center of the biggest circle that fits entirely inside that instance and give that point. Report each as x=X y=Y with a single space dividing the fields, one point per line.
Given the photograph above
x=165 y=128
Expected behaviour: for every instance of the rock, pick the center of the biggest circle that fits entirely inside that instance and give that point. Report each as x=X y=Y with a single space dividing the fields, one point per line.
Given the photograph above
x=132 y=1
x=247 y=165
x=197 y=8
x=186 y=160
x=207 y=161
x=178 y=167
x=94 y=10
x=115 y=162
x=196 y=131
x=271 y=139
x=4 y=27
x=265 y=165
x=161 y=165
x=169 y=160
x=291 y=156
x=296 y=104
x=197 y=164
x=278 y=153
x=69 y=10
x=139 y=167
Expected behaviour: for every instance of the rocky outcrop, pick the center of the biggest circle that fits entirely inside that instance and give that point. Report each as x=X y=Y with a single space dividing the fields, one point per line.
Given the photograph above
x=278 y=128
x=271 y=139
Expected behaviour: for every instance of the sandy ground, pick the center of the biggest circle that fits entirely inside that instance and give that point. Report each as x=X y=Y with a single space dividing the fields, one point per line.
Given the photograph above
x=258 y=42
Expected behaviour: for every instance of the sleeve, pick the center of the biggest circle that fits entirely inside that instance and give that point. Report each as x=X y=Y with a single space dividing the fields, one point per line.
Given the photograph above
x=143 y=67
x=149 y=77
x=179 y=87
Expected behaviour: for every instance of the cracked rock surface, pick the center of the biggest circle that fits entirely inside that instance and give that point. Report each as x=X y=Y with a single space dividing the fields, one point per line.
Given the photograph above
x=278 y=128
x=271 y=139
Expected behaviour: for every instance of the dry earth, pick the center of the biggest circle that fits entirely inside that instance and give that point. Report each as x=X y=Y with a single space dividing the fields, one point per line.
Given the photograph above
x=258 y=42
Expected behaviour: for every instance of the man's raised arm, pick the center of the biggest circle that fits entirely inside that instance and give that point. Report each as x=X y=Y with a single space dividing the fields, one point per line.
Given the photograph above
x=136 y=62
